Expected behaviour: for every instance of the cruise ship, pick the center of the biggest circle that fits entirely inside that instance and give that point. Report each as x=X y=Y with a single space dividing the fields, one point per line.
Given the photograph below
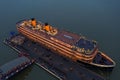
x=65 y=43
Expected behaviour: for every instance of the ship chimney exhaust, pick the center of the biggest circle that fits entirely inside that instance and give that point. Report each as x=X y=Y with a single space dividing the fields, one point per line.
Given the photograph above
x=33 y=22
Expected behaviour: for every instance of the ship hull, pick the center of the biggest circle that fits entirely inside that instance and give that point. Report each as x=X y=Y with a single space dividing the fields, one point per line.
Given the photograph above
x=102 y=60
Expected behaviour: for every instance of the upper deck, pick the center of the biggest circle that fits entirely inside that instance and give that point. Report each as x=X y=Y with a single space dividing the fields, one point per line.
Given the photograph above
x=74 y=41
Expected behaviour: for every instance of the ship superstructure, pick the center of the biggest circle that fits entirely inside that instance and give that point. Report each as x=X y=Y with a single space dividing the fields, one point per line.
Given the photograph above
x=65 y=43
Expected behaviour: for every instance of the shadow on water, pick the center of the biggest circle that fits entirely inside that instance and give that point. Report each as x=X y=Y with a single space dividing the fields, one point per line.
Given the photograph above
x=104 y=72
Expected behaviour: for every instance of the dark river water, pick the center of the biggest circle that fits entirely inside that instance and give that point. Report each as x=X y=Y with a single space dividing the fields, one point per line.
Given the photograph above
x=95 y=19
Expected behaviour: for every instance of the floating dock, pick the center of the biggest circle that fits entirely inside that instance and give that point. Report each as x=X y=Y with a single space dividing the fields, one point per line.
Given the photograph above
x=11 y=68
x=57 y=65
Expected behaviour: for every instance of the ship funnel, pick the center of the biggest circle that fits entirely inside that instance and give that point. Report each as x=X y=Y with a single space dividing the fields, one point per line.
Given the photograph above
x=47 y=27
x=33 y=22
x=46 y=24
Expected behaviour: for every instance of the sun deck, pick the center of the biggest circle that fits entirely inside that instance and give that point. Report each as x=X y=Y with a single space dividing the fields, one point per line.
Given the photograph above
x=73 y=41
x=61 y=35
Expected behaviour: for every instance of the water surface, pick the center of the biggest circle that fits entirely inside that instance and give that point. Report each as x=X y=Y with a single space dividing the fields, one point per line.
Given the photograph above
x=95 y=19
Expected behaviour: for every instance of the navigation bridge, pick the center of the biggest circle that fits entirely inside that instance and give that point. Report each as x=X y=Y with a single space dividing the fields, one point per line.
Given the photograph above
x=11 y=68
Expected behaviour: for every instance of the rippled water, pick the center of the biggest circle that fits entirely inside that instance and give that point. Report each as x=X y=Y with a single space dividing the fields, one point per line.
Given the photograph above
x=96 y=19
